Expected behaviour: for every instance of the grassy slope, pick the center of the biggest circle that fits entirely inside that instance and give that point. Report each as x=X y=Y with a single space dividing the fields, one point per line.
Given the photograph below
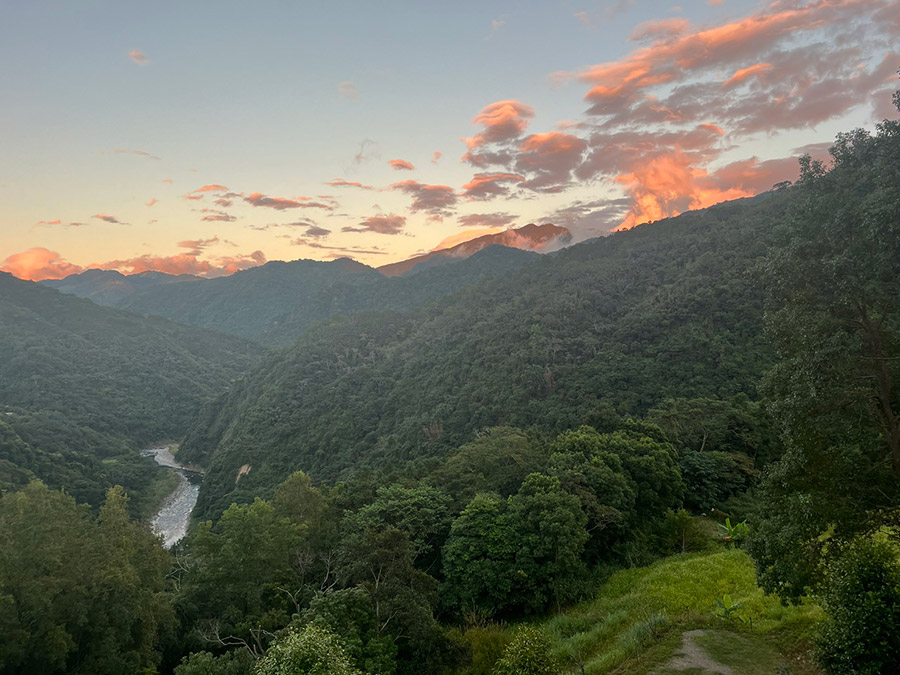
x=635 y=622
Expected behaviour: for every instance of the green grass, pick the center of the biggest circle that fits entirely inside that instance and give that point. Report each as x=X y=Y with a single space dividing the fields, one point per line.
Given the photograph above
x=745 y=654
x=636 y=620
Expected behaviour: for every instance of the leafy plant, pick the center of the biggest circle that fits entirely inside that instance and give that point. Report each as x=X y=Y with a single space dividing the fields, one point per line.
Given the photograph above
x=734 y=535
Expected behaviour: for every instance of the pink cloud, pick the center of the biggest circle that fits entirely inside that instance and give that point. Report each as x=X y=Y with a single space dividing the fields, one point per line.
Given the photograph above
x=744 y=73
x=186 y=263
x=502 y=121
x=489 y=185
x=138 y=57
x=340 y=182
x=401 y=165
x=39 y=263
x=436 y=156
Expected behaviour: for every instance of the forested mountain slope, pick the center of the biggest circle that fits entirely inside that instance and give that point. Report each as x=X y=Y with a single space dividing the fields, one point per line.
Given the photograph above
x=276 y=302
x=247 y=303
x=394 y=293
x=667 y=309
x=80 y=382
x=109 y=287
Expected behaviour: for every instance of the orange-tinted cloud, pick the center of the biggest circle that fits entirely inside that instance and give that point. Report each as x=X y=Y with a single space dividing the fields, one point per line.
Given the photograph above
x=211 y=188
x=340 y=182
x=549 y=159
x=489 y=185
x=151 y=202
x=282 y=203
x=389 y=224
x=434 y=199
x=138 y=57
x=436 y=156
x=401 y=165
x=502 y=121
x=186 y=263
x=39 y=263
x=55 y=221
x=742 y=74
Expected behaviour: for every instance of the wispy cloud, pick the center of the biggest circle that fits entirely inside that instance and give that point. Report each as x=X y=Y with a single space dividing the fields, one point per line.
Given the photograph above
x=347 y=89
x=125 y=151
x=108 y=218
x=282 y=203
x=138 y=57
x=340 y=182
x=389 y=224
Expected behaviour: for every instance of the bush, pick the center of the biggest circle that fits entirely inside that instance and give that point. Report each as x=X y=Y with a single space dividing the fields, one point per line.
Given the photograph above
x=530 y=653
x=312 y=650
x=861 y=634
x=681 y=533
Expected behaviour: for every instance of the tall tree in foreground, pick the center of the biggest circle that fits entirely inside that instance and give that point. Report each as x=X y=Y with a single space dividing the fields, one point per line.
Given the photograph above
x=833 y=314
x=78 y=594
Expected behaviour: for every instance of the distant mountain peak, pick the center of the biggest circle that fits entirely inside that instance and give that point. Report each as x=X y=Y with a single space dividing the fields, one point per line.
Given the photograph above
x=531 y=237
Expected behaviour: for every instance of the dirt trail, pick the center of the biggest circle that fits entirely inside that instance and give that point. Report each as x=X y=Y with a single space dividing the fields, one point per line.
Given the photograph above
x=692 y=657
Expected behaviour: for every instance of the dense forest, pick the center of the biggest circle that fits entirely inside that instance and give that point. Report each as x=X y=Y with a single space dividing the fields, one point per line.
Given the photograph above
x=83 y=386
x=668 y=310
x=561 y=469
x=275 y=303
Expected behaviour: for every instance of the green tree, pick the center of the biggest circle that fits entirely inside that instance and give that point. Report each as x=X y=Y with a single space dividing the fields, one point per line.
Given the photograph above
x=496 y=461
x=235 y=662
x=312 y=650
x=597 y=477
x=479 y=558
x=238 y=576
x=548 y=527
x=350 y=613
x=78 y=594
x=529 y=653
x=833 y=313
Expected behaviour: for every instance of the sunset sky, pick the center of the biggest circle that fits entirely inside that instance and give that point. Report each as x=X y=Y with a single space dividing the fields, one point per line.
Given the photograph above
x=209 y=137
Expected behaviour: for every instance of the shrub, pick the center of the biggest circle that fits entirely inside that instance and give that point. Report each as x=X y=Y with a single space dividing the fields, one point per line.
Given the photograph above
x=861 y=634
x=529 y=653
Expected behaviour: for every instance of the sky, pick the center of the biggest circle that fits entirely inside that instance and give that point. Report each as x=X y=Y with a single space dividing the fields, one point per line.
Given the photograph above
x=206 y=138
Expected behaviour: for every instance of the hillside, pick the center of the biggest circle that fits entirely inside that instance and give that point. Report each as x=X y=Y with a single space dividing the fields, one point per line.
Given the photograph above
x=86 y=383
x=247 y=303
x=109 y=287
x=665 y=310
x=394 y=293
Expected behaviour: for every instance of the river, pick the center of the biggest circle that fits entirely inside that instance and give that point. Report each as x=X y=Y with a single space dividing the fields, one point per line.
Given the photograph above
x=173 y=518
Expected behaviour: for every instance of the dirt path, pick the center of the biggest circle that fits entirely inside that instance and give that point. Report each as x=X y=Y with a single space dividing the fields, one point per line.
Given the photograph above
x=692 y=657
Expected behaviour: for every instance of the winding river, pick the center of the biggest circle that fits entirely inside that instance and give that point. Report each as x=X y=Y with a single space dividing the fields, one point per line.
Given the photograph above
x=173 y=518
